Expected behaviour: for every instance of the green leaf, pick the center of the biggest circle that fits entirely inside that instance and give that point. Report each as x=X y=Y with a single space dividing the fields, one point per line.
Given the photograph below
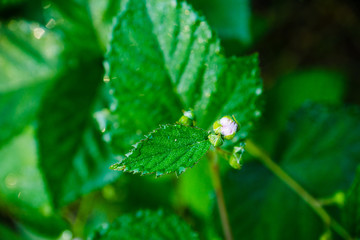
x=320 y=150
x=72 y=155
x=73 y=22
x=146 y=225
x=195 y=190
x=102 y=14
x=316 y=85
x=351 y=211
x=160 y=62
x=171 y=148
x=29 y=60
x=229 y=18
x=23 y=192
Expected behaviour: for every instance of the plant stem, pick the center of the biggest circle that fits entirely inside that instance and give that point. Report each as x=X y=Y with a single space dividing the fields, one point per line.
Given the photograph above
x=215 y=177
x=297 y=188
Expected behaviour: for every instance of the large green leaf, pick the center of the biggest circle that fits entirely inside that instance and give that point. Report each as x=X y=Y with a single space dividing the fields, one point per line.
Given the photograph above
x=22 y=190
x=29 y=59
x=231 y=19
x=146 y=225
x=164 y=57
x=171 y=148
x=320 y=150
x=351 y=210
x=72 y=155
x=73 y=21
x=102 y=14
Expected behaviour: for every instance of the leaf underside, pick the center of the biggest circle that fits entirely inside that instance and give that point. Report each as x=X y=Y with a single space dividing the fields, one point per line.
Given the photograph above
x=171 y=148
x=146 y=225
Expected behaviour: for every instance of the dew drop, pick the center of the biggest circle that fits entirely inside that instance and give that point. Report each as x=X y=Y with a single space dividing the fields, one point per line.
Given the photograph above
x=38 y=32
x=11 y=180
x=258 y=91
x=107 y=137
x=106 y=79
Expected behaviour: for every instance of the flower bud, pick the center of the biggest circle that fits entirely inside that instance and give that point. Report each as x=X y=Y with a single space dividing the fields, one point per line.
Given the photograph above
x=234 y=163
x=236 y=156
x=217 y=127
x=188 y=119
x=227 y=126
x=184 y=120
x=216 y=140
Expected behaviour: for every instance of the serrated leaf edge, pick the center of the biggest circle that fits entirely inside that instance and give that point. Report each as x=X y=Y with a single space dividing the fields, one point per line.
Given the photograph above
x=119 y=167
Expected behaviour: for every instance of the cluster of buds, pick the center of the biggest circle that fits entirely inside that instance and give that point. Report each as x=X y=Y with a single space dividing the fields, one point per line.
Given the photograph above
x=225 y=128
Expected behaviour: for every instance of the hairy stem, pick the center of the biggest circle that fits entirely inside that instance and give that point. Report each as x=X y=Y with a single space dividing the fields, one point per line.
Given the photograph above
x=254 y=150
x=215 y=177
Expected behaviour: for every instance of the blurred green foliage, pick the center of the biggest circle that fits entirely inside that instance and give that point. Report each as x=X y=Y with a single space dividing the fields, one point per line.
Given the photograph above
x=55 y=181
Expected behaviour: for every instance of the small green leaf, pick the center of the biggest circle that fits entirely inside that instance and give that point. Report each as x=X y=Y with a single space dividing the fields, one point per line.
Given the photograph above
x=171 y=148
x=351 y=211
x=146 y=225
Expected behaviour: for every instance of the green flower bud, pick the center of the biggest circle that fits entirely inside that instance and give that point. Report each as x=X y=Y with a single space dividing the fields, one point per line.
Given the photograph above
x=234 y=163
x=217 y=127
x=184 y=120
x=188 y=119
x=236 y=156
x=216 y=140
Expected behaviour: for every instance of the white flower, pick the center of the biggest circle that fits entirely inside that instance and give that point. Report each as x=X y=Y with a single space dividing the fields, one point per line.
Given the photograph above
x=226 y=126
x=229 y=126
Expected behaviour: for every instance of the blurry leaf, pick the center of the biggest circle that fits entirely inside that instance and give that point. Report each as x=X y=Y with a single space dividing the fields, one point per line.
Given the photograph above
x=73 y=21
x=320 y=150
x=29 y=59
x=72 y=156
x=321 y=147
x=351 y=211
x=29 y=54
x=22 y=190
x=171 y=148
x=6 y=232
x=146 y=225
x=316 y=85
x=161 y=61
x=18 y=108
x=229 y=18
x=196 y=190
x=245 y=191
x=102 y=13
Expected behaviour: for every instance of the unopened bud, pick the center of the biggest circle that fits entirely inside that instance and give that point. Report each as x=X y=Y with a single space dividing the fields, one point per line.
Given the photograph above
x=235 y=159
x=227 y=126
x=216 y=140
x=188 y=119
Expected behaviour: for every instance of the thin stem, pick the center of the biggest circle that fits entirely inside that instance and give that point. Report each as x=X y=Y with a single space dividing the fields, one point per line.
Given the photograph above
x=215 y=177
x=297 y=188
x=225 y=154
